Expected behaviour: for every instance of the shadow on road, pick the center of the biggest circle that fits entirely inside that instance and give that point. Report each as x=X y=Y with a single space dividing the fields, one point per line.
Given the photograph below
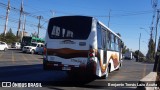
x=35 y=73
x=50 y=79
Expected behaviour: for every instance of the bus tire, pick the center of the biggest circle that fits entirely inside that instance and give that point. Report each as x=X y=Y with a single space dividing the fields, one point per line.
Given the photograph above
x=109 y=68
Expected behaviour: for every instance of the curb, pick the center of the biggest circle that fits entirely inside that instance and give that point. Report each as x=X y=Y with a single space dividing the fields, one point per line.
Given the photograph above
x=147 y=82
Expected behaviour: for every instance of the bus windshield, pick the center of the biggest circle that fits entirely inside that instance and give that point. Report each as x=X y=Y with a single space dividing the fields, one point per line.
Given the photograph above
x=69 y=27
x=27 y=40
x=33 y=44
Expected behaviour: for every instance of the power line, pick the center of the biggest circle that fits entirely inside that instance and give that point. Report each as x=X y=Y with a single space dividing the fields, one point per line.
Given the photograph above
x=18 y=10
x=109 y=18
x=125 y=14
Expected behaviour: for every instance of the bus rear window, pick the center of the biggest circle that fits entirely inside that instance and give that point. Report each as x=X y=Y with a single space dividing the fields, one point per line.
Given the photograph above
x=69 y=27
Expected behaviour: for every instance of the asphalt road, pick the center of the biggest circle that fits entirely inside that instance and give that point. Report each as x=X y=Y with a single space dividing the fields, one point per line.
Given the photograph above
x=16 y=66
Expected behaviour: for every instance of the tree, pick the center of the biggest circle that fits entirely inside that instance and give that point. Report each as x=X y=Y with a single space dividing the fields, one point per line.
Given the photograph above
x=9 y=37
x=124 y=47
x=124 y=50
x=139 y=56
x=151 y=50
x=119 y=34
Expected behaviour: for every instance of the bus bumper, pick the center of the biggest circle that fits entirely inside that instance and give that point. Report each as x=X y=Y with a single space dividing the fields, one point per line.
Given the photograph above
x=51 y=65
x=89 y=68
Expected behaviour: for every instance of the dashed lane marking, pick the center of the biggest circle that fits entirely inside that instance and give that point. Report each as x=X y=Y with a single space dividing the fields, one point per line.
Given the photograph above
x=13 y=59
x=26 y=59
x=144 y=71
x=1 y=54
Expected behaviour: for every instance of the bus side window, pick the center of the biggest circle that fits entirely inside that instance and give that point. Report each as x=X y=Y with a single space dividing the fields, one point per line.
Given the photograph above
x=112 y=42
x=116 y=44
x=99 y=36
x=108 y=40
x=104 y=39
x=33 y=40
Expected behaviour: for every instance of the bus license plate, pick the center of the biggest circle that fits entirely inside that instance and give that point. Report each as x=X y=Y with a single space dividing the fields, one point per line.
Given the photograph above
x=66 y=68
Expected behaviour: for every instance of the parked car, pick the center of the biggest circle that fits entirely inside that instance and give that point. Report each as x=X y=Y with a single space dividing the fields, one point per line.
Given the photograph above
x=3 y=46
x=16 y=45
x=33 y=48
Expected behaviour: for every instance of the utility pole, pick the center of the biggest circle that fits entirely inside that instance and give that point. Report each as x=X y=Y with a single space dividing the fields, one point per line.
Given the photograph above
x=24 y=23
x=139 y=46
x=109 y=18
x=39 y=24
x=23 y=26
x=19 y=24
x=156 y=28
x=156 y=59
x=151 y=33
x=6 y=23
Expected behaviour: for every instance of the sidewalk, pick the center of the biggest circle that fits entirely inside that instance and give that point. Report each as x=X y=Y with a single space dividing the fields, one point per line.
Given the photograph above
x=148 y=81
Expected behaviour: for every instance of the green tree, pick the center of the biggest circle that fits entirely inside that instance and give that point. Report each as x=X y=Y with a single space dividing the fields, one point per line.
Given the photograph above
x=119 y=34
x=139 y=55
x=124 y=50
x=9 y=37
x=151 y=50
x=2 y=37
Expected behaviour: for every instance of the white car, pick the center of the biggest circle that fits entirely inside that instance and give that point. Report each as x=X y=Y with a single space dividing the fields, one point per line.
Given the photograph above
x=3 y=46
x=34 y=48
x=16 y=45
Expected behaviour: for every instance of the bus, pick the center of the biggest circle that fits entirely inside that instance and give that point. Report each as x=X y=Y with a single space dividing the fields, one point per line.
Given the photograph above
x=27 y=40
x=81 y=44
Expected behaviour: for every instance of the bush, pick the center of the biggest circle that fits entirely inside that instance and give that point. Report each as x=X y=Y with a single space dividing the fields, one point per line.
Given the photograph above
x=9 y=37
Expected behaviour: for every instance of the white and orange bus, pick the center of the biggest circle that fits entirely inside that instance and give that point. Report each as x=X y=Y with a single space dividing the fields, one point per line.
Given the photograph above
x=81 y=44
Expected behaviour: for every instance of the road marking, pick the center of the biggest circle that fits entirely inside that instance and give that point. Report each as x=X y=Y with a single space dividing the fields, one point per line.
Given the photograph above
x=34 y=58
x=144 y=71
x=13 y=59
x=26 y=59
x=1 y=55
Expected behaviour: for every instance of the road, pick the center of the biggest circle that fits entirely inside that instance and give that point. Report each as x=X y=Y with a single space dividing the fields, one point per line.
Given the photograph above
x=16 y=66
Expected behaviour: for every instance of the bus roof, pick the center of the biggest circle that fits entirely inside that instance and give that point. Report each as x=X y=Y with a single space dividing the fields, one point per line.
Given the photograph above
x=109 y=29
x=72 y=16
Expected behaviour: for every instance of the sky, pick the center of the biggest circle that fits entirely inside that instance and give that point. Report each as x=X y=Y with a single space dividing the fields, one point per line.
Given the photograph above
x=127 y=17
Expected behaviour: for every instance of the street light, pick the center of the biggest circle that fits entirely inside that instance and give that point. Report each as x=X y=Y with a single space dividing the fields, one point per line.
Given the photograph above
x=139 y=46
